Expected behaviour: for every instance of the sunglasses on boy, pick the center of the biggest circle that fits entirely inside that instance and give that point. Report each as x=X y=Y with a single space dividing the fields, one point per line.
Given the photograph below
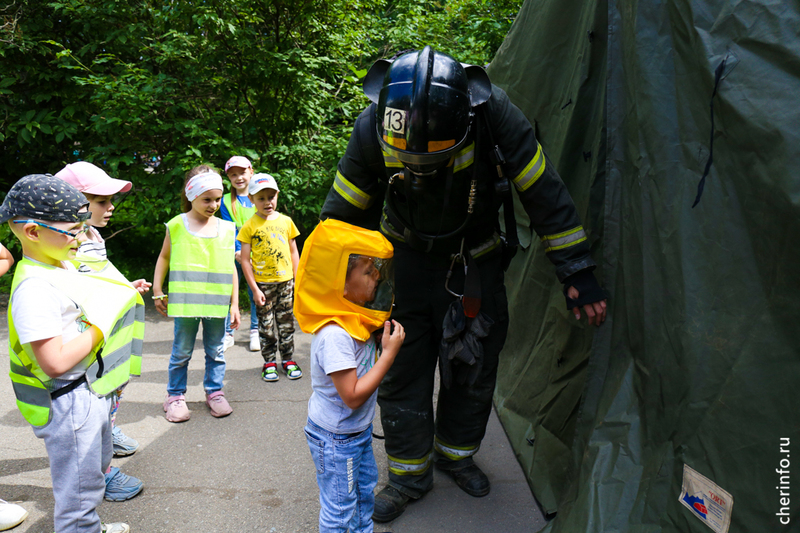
x=74 y=234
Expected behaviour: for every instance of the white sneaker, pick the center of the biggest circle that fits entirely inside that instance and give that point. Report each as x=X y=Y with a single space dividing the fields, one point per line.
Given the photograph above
x=11 y=515
x=116 y=527
x=227 y=342
x=255 y=344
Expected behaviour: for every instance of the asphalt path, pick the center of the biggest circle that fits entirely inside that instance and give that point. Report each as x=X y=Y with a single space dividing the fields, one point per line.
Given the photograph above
x=250 y=471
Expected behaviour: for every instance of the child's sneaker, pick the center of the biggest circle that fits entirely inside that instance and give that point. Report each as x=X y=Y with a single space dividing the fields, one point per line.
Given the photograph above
x=255 y=343
x=292 y=370
x=121 y=487
x=123 y=444
x=116 y=527
x=227 y=341
x=218 y=404
x=269 y=372
x=11 y=515
x=176 y=410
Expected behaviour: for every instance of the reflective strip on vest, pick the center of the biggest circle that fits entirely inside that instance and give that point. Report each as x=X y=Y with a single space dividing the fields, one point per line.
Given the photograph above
x=464 y=158
x=409 y=467
x=351 y=193
x=201 y=271
x=199 y=277
x=391 y=161
x=454 y=453
x=531 y=172
x=199 y=299
x=33 y=398
x=564 y=240
x=137 y=344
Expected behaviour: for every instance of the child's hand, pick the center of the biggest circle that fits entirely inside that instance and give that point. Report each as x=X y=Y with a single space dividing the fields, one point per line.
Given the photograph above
x=161 y=305
x=141 y=285
x=259 y=298
x=236 y=318
x=238 y=256
x=392 y=340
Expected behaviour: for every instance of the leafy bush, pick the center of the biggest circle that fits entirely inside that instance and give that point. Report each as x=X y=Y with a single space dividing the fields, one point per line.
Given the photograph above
x=148 y=89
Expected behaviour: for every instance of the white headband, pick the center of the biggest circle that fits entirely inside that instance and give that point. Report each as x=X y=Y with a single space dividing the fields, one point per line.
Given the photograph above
x=201 y=183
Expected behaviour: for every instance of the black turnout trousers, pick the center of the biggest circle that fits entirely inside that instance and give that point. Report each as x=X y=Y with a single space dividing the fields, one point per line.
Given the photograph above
x=406 y=393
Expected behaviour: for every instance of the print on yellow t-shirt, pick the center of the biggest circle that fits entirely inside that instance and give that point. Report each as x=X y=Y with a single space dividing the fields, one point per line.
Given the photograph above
x=269 y=244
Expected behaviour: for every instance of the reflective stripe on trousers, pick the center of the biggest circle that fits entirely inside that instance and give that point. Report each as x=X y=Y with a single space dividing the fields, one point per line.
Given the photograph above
x=409 y=467
x=454 y=453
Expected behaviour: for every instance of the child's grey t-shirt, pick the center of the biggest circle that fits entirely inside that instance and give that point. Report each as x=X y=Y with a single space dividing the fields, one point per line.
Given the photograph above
x=332 y=350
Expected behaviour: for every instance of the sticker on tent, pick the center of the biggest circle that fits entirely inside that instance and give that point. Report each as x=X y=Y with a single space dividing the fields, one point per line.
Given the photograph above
x=706 y=500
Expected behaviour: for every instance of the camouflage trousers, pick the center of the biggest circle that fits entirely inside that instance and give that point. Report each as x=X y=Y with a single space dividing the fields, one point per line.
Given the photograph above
x=276 y=310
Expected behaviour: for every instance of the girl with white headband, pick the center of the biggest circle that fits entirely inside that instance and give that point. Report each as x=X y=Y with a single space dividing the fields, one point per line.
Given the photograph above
x=203 y=286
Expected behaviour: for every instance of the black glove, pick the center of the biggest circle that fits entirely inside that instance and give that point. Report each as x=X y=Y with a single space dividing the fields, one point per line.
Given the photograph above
x=461 y=351
x=589 y=291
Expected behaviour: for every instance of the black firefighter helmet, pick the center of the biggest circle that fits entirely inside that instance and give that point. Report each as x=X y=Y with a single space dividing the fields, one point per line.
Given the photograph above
x=425 y=102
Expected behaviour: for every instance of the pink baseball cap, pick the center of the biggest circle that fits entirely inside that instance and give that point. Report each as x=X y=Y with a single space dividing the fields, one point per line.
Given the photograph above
x=92 y=179
x=238 y=161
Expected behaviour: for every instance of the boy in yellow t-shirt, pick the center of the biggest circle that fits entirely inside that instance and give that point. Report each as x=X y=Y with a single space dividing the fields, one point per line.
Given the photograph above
x=268 y=239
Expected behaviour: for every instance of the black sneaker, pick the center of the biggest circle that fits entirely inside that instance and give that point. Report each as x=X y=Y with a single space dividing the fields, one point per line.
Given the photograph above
x=389 y=504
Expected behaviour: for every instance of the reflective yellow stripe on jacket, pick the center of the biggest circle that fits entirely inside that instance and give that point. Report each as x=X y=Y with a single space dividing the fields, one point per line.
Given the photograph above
x=351 y=193
x=532 y=171
x=559 y=241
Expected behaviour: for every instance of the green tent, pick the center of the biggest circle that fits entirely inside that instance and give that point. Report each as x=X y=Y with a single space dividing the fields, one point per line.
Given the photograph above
x=694 y=381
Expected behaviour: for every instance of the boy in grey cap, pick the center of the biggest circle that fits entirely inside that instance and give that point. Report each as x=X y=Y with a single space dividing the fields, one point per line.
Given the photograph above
x=53 y=345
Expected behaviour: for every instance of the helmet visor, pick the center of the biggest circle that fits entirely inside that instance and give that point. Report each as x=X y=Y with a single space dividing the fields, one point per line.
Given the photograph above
x=370 y=282
x=422 y=162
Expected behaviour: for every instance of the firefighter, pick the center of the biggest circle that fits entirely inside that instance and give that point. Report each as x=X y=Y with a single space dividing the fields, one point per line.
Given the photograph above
x=429 y=164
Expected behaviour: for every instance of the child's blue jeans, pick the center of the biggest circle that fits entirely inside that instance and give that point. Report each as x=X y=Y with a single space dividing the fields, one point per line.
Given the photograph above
x=347 y=475
x=182 y=347
x=253 y=315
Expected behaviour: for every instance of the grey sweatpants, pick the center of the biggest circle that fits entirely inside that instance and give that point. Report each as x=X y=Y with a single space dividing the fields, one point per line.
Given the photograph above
x=78 y=442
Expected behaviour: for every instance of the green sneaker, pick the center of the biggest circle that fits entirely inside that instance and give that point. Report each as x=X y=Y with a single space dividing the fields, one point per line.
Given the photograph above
x=292 y=370
x=269 y=372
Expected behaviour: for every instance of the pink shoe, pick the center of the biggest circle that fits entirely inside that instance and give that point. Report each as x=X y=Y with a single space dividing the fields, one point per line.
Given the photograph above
x=176 y=410
x=218 y=404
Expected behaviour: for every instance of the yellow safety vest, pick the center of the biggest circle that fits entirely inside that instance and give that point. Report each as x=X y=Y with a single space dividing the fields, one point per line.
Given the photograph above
x=239 y=213
x=201 y=271
x=109 y=303
x=105 y=268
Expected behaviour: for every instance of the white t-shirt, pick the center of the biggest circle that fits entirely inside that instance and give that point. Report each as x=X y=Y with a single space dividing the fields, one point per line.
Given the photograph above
x=332 y=350
x=40 y=311
x=94 y=245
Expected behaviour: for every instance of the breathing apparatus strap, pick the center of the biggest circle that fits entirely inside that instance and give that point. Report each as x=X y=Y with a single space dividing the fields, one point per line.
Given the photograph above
x=415 y=238
x=502 y=188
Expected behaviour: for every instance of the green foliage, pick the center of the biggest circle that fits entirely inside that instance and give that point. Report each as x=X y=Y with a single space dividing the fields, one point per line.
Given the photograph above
x=149 y=89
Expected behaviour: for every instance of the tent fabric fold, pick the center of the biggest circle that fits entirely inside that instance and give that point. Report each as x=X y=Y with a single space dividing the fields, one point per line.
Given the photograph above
x=698 y=363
